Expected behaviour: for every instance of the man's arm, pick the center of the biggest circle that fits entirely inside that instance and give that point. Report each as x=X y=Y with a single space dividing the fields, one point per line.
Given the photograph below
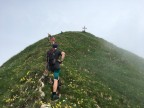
x=62 y=56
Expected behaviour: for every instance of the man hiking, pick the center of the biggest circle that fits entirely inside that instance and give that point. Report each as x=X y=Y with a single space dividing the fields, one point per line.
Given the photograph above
x=45 y=74
x=54 y=59
x=51 y=39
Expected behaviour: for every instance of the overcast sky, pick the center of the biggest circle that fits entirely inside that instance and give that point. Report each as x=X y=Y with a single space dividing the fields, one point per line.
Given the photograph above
x=23 y=22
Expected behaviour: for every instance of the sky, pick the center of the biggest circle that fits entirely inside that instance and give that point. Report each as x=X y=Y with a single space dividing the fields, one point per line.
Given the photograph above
x=24 y=22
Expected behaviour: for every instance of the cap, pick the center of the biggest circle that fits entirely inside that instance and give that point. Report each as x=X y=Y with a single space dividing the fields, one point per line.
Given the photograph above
x=55 y=45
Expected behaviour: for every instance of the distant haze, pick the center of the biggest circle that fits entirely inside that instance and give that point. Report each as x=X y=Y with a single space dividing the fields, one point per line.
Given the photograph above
x=23 y=22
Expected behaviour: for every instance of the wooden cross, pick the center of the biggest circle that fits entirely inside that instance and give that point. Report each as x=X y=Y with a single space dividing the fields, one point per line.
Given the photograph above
x=84 y=28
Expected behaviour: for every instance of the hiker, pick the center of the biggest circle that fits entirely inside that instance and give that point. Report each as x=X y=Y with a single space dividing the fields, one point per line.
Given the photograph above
x=51 y=39
x=54 y=59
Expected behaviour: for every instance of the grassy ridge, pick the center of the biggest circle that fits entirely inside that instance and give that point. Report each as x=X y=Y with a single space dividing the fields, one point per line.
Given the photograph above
x=95 y=74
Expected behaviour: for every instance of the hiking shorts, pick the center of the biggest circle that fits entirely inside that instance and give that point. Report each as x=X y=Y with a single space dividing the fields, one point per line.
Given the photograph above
x=56 y=74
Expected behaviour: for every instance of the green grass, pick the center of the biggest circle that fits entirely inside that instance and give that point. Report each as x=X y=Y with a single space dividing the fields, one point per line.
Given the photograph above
x=95 y=73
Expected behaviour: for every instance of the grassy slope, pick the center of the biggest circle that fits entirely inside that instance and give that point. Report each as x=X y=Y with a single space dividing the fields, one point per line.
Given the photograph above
x=95 y=73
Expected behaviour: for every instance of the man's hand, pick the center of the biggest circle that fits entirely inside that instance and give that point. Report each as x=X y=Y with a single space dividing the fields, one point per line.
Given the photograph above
x=60 y=62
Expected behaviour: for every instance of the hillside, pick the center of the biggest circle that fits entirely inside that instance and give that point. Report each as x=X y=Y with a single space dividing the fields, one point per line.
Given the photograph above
x=95 y=74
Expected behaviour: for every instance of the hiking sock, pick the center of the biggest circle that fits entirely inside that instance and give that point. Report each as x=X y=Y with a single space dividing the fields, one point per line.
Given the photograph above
x=54 y=96
x=54 y=93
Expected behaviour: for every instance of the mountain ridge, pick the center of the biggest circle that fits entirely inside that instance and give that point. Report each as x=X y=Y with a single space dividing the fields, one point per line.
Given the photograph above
x=95 y=73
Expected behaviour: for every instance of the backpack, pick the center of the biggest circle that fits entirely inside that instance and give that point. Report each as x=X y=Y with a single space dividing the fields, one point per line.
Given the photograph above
x=51 y=57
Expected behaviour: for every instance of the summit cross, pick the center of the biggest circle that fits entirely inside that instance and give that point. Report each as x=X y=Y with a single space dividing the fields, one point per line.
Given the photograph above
x=84 y=28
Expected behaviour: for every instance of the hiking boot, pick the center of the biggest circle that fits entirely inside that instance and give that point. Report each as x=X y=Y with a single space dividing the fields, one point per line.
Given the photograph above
x=55 y=97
